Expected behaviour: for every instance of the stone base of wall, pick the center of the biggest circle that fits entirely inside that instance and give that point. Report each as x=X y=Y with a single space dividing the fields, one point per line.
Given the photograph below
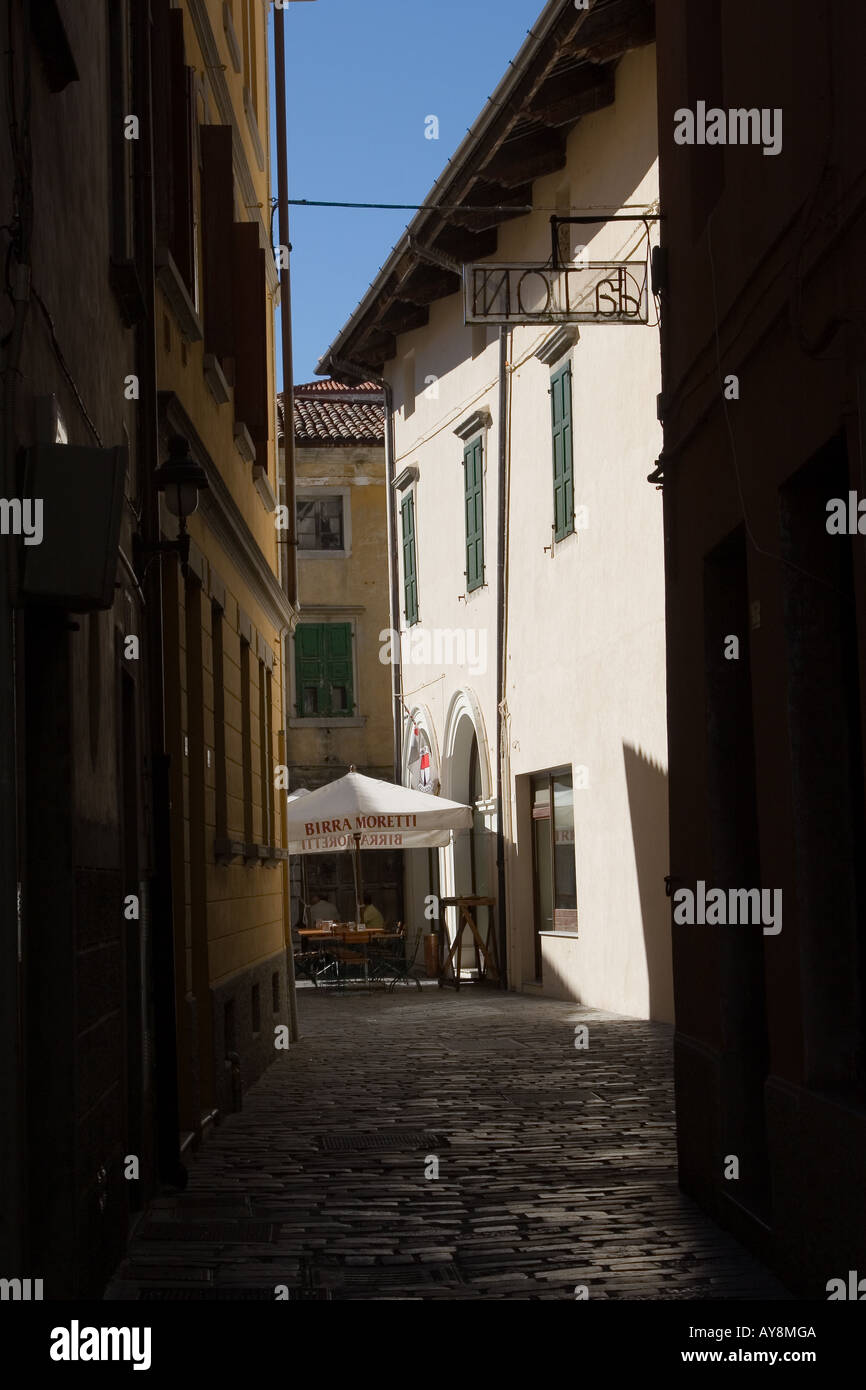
x=235 y=1016
x=815 y=1229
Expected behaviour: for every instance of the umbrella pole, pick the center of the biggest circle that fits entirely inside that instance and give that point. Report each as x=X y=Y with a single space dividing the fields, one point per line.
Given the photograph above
x=356 y=864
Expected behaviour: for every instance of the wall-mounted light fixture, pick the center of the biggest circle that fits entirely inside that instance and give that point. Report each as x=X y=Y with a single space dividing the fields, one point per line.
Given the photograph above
x=181 y=479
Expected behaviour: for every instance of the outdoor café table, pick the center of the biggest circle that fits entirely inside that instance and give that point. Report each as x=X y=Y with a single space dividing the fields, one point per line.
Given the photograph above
x=346 y=935
x=486 y=959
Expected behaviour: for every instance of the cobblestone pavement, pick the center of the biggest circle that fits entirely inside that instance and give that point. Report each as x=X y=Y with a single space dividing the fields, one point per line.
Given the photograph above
x=556 y=1166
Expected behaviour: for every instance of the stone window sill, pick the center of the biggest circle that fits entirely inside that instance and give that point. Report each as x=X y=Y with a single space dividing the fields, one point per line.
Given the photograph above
x=243 y=442
x=215 y=378
x=352 y=721
x=171 y=283
x=253 y=128
x=236 y=851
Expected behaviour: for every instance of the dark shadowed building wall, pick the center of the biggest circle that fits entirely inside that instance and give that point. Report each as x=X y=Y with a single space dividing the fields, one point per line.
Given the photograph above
x=763 y=400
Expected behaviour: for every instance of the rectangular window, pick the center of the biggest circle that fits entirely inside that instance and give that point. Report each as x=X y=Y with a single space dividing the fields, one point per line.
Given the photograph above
x=323 y=671
x=563 y=466
x=410 y=571
x=320 y=523
x=269 y=717
x=554 y=873
x=474 y=494
x=266 y=754
x=246 y=742
x=219 y=724
x=256 y=1008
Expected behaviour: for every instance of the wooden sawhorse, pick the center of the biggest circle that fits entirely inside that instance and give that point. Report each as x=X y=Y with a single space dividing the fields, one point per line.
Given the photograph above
x=486 y=958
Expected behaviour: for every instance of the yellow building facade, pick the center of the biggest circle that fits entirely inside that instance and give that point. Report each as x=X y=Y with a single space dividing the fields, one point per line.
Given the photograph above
x=338 y=675
x=226 y=621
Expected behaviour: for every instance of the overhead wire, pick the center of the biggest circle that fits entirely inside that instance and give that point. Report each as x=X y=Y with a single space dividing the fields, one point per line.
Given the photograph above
x=610 y=215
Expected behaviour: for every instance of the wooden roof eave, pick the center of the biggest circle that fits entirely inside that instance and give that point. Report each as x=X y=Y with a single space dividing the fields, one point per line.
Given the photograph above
x=543 y=98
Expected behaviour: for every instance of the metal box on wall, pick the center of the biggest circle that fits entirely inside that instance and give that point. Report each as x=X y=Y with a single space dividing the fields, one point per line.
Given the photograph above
x=81 y=491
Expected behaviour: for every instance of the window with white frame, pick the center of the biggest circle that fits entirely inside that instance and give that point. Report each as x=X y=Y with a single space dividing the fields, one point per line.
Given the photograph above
x=322 y=523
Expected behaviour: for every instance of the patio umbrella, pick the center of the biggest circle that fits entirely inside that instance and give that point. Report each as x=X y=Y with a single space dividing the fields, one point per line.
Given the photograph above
x=357 y=812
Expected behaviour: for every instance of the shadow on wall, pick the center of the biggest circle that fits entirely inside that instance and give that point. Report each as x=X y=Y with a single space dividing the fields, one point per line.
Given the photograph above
x=559 y=984
x=647 y=784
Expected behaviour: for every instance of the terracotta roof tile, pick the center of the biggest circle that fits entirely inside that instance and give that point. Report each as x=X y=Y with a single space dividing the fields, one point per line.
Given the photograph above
x=365 y=388
x=335 y=414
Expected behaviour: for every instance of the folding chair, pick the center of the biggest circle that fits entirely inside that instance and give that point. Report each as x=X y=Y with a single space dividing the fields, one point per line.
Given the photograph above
x=393 y=961
x=310 y=964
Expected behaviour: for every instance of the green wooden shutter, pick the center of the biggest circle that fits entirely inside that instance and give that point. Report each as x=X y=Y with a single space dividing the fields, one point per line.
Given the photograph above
x=310 y=668
x=473 y=478
x=410 y=575
x=563 y=467
x=338 y=668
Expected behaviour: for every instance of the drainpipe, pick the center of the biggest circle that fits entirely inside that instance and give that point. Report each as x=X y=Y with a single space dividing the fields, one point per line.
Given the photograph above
x=286 y=305
x=393 y=576
x=161 y=925
x=289 y=550
x=501 y=600
x=13 y=1141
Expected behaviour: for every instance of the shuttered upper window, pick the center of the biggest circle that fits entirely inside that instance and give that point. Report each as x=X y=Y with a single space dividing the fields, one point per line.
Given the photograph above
x=249 y=314
x=323 y=670
x=474 y=508
x=410 y=572
x=217 y=204
x=563 y=469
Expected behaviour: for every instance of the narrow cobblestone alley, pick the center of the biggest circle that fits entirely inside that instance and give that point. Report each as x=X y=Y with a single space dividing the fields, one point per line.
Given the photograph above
x=556 y=1165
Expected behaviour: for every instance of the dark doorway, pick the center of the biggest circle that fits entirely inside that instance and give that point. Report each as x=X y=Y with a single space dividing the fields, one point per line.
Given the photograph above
x=827 y=773
x=733 y=815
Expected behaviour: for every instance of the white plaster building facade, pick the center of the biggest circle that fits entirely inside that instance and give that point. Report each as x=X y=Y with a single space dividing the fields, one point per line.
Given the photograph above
x=546 y=439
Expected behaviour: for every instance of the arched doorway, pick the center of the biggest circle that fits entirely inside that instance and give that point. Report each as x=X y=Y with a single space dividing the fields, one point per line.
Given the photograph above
x=422 y=880
x=467 y=778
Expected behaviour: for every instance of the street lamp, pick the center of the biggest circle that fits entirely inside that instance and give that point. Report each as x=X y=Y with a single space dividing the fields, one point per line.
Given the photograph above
x=181 y=479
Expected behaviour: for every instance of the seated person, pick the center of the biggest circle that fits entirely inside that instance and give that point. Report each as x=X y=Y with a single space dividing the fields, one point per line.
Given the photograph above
x=372 y=916
x=320 y=909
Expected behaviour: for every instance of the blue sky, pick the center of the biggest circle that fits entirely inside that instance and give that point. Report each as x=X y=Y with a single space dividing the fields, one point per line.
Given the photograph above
x=362 y=77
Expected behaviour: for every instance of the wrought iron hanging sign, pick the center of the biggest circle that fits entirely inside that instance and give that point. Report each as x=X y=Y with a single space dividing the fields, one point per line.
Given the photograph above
x=580 y=291
x=583 y=292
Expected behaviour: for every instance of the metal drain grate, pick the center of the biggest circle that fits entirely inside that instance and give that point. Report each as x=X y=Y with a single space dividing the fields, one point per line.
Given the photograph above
x=169 y=1294
x=142 y=1274
x=195 y=1201
x=209 y=1232
x=383 y=1140
x=378 y=1276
